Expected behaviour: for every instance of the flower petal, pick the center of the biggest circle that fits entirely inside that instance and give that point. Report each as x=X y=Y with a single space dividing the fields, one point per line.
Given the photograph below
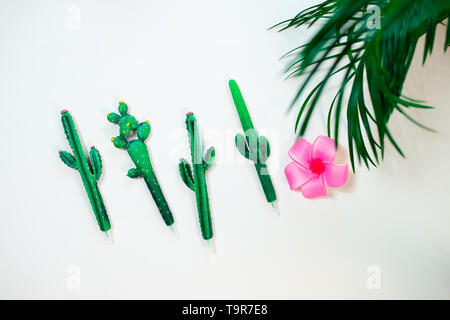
x=335 y=174
x=300 y=152
x=314 y=188
x=323 y=148
x=296 y=175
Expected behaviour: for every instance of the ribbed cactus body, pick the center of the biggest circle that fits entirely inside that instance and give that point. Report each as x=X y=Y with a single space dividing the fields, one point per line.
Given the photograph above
x=252 y=146
x=194 y=177
x=139 y=154
x=89 y=171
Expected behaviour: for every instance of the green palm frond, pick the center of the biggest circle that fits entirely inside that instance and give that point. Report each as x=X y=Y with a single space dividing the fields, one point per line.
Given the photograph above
x=371 y=60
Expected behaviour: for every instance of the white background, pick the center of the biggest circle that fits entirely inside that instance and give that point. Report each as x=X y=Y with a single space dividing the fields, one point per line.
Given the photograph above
x=165 y=58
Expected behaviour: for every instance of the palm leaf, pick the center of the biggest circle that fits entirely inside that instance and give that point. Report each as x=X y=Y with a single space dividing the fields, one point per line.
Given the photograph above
x=364 y=57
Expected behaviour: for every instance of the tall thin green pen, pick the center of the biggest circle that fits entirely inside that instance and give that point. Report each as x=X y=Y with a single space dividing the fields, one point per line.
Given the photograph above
x=90 y=171
x=195 y=178
x=252 y=146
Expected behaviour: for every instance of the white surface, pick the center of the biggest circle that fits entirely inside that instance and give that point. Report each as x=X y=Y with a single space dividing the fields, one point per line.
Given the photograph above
x=167 y=58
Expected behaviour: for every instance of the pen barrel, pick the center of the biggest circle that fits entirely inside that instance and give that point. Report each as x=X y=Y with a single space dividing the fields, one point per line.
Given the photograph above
x=266 y=181
x=139 y=154
x=202 y=199
x=102 y=216
x=158 y=197
x=96 y=200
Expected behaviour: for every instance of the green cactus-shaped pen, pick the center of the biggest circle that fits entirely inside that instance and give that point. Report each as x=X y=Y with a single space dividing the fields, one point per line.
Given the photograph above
x=253 y=147
x=90 y=171
x=195 y=178
x=139 y=154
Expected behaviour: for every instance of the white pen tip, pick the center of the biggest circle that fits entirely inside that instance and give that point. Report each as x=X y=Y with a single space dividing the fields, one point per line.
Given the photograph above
x=174 y=230
x=211 y=246
x=109 y=237
x=275 y=207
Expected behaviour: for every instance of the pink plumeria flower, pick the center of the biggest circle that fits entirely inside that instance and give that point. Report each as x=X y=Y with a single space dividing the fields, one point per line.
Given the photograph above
x=313 y=169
